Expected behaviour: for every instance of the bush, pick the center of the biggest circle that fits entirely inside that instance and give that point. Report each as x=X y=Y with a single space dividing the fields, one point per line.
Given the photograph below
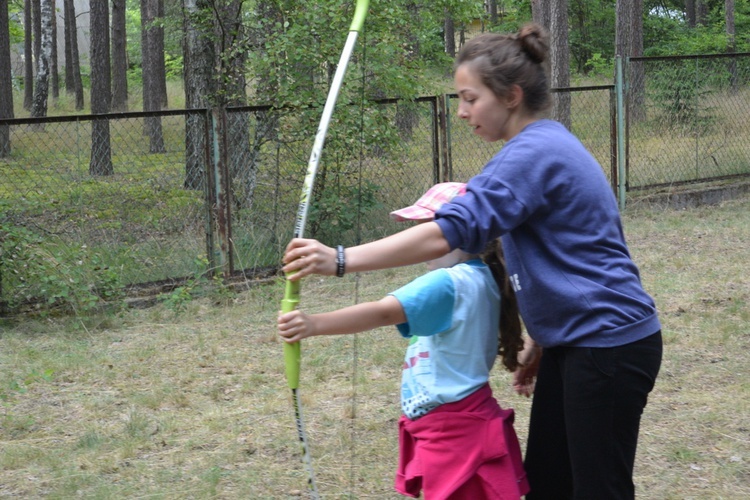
x=33 y=271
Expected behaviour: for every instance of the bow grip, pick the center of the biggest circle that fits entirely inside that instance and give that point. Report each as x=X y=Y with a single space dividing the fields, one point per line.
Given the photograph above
x=292 y=352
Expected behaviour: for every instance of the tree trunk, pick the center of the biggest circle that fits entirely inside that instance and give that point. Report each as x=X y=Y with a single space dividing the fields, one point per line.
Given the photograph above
x=69 y=34
x=53 y=62
x=101 y=92
x=560 y=61
x=242 y=171
x=199 y=58
x=71 y=50
x=541 y=12
x=119 y=57
x=493 y=12
x=28 y=56
x=41 y=87
x=450 y=35
x=690 y=12
x=160 y=64
x=629 y=43
x=701 y=12
x=731 y=45
x=637 y=78
x=36 y=28
x=622 y=27
x=151 y=89
x=581 y=21
x=6 y=80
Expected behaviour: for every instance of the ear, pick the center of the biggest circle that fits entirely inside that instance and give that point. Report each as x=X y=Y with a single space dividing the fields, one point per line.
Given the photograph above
x=514 y=97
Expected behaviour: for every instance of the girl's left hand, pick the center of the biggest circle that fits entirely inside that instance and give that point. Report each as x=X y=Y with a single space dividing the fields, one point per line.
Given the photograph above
x=295 y=326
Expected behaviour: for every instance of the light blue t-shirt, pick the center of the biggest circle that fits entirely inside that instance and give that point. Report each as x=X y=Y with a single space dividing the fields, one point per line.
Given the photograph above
x=452 y=318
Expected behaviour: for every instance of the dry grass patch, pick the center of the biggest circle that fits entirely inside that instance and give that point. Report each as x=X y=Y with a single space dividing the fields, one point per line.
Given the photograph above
x=153 y=403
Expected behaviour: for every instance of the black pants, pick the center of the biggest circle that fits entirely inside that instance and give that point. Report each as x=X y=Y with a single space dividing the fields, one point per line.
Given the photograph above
x=585 y=417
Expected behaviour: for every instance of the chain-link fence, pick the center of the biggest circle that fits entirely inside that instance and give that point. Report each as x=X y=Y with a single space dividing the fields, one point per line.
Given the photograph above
x=77 y=229
x=687 y=119
x=168 y=198
x=376 y=162
x=591 y=120
x=95 y=206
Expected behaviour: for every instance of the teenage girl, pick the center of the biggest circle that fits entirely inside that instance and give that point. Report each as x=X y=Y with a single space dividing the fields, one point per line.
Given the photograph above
x=454 y=439
x=578 y=290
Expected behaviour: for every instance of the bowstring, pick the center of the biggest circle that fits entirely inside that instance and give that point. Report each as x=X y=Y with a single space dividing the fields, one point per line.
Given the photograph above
x=357 y=276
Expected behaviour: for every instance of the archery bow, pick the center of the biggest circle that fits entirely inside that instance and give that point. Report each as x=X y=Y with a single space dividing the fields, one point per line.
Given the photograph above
x=292 y=352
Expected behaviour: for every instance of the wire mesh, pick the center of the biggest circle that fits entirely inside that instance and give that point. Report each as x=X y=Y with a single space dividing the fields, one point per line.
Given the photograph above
x=366 y=170
x=591 y=116
x=98 y=203
x=686 y=119
x=134 y=223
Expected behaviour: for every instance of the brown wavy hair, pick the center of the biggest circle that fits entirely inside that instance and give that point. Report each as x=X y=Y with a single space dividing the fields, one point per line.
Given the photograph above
x=510 y=331
x=504 y=60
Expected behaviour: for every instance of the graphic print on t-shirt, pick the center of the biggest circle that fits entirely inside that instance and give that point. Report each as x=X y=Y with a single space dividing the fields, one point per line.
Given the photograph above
x=416 y=397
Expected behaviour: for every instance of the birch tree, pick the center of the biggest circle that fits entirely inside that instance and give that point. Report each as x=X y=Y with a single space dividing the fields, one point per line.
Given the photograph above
x=198 y=57
x=44 y=56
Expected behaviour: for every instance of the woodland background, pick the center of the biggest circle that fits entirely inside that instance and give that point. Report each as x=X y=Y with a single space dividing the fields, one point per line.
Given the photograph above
x=119 y=55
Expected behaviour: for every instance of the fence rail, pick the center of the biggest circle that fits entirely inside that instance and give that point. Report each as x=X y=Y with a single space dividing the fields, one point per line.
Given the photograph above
x=93 y=205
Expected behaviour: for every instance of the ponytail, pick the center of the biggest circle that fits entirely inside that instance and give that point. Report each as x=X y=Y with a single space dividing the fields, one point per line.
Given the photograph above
x=510 y=329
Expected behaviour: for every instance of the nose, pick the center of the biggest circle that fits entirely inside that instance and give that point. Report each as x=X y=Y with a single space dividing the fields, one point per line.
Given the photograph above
x=462 y=113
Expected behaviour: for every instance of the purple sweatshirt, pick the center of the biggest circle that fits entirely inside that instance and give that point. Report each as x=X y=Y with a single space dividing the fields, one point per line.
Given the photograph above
x=561 y=231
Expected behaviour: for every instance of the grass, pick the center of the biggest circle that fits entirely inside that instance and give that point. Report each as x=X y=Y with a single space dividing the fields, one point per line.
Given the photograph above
x=192 y=402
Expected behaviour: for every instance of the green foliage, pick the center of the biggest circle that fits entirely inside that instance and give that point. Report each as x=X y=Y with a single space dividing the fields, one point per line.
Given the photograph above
x=670 y=35
x=202 y=284
x=592 y=27
x=600 y=66
x=70 y=279
x=515 y=13
x=15 y=22
x=173 y=65
x=338 y=209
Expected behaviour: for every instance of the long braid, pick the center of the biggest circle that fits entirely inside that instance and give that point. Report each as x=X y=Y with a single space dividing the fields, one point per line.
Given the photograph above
x=510 y=329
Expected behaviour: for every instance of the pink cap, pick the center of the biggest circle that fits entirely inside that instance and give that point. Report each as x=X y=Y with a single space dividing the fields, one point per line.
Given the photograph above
x=426 y=206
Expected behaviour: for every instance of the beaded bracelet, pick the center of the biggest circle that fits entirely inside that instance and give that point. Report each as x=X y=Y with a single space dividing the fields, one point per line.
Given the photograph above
x=340 y=261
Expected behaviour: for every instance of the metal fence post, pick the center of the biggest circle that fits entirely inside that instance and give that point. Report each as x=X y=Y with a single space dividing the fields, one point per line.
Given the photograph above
x=446 y=173
x=448 y=155
x=221 y=196
x=435 y=138
x=620 y=90
x=613 y=135
x=209 y=187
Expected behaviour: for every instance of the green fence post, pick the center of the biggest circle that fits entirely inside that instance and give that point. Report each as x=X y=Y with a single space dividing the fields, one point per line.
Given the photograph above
x=620 y=90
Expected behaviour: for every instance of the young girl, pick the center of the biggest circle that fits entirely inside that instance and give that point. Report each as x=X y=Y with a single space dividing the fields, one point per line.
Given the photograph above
x=578 y=290
x=454 y=439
